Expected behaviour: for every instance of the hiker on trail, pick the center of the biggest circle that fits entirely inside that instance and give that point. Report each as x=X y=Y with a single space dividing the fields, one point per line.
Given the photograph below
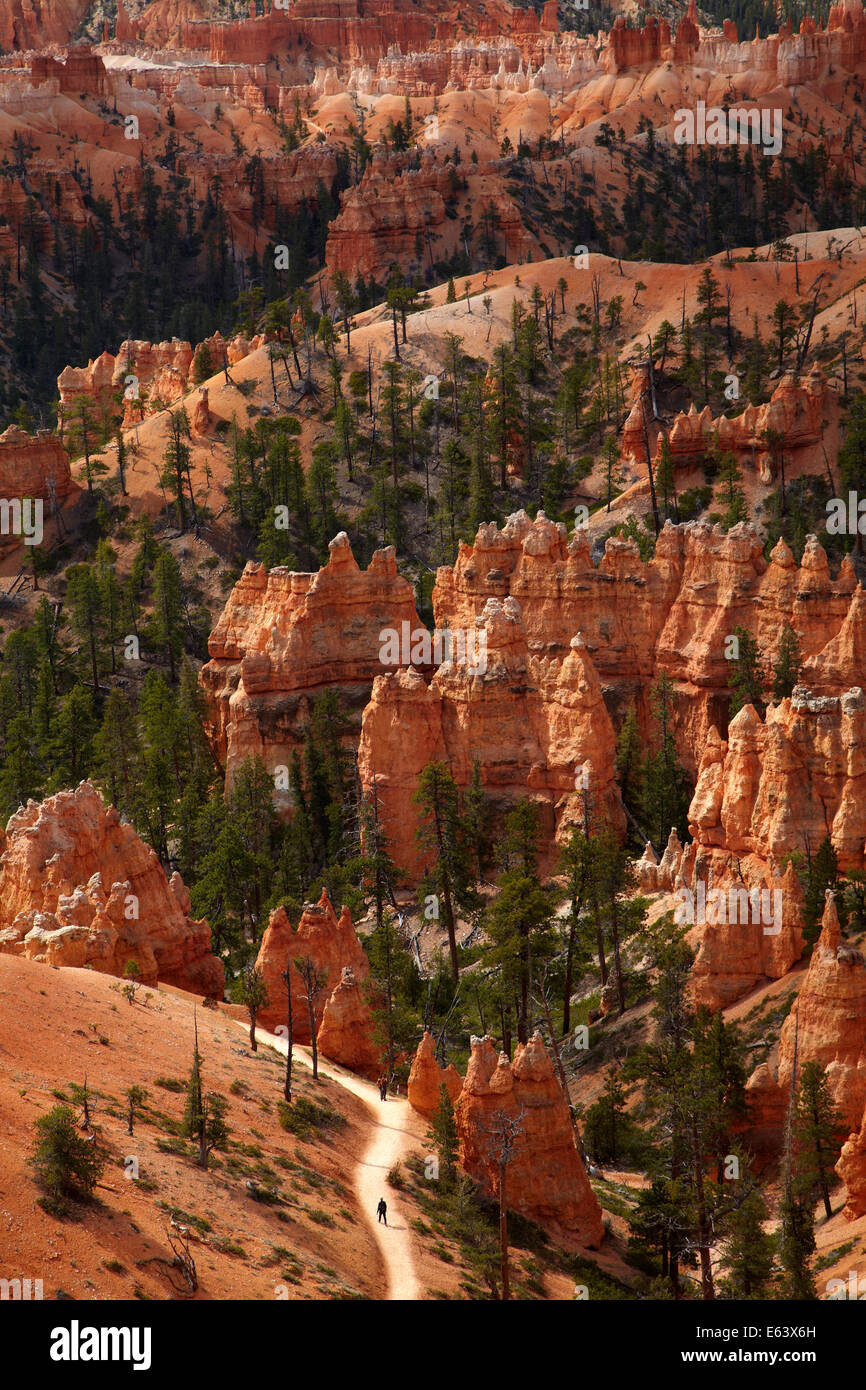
x=382 y=1210
x=383 y=1088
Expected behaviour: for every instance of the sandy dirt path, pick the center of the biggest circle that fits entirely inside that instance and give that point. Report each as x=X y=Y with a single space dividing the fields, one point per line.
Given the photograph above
x=392 y=1139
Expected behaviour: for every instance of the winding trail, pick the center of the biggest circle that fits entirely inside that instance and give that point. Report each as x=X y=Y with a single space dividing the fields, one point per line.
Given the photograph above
x=392 y=1140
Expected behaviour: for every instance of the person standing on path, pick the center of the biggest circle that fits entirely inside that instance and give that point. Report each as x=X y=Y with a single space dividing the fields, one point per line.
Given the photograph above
x=382 y=1210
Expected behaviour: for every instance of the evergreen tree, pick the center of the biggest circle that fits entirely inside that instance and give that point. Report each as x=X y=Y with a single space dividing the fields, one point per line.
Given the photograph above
x=822 y=873
x=441 y=831
x=747 y=673
x=169 y=611
x=819 y=1132
x=443 y=1127
x=786 y=668
x=66 y=1165
x=749 y=1255
x=667 y=794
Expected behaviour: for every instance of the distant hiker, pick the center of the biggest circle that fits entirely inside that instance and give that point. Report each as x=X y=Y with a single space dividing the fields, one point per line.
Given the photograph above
x=383 y=1088
x=382 y=1210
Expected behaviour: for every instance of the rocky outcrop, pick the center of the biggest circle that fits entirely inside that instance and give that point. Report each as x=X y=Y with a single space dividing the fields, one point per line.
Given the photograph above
x=794 y=414
x=78 y=887
x=674 y=614
x=775 y=787
x=332 y=943
x=426 y=1079
x=34 y=465
x=145 y=377
x=346 y=1033
x=81 y=73
x=284 y=637
x=779 y=784
x=25 y=25
x=402 y=216
x=545 y=1178
x=541 y=723
x=851 y=1168
x=828 y=1021
x=747 y=931
x=826 y=1024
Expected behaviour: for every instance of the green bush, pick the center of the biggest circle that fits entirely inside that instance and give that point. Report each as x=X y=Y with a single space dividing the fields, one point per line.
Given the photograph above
x=67 y=1166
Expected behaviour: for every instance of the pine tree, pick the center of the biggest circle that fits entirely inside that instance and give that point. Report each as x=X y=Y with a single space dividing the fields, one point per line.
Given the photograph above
x=252 y=992
x=519 y=921
x=730 y=478
x=786 y=668
x=169 y=611
x=66 y=1165
x=819 y=1132
x=475 y=818
x=444 y=1130
x=83 y=600
x=749 y=1255
x=441 y=831
x=667 y=794
x=629 y=763
x=666 y=486
x=822 y=873
x=747 y=673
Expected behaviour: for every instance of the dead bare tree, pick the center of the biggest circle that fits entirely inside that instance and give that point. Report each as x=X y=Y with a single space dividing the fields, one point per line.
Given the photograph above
x=315 y=981
x=503 y=1133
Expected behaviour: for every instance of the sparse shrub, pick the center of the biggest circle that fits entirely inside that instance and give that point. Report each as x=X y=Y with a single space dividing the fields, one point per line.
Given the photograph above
x=67 y=1166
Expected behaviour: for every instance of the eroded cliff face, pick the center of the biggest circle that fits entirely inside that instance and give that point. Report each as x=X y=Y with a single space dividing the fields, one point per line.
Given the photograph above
x=78 y=887
x=284 y=637
x=826 y=1024
x=26 y=24
x=535 y=722
x=148 y=376
x=34 y=465
x=782 y=784
x=332 y=943
x=545 y=1178
x=394 y=210
x=795 y=413
x=673 y=615
x=775 y=787
x=851 y=1168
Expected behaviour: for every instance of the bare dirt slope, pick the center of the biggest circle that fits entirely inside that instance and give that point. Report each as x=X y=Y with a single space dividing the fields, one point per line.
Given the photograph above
x=58 y=1026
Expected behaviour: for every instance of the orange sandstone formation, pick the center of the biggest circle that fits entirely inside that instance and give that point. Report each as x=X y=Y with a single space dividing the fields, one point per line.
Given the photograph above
x=145 y=376
x=346 y=1031
x=545 y=1178
x=775 y=786
x=24 y=24
x=331 y=942
x=795 y=412
x=34 y=466
x=541 y=723
x=78 y=887
x=672 y=615
x=427 y=1077
x=283 y=638
x=852 y=1170
x=826 y=1024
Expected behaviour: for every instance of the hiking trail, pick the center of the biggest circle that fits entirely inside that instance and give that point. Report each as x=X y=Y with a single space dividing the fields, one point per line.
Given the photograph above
x=393 y=1139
